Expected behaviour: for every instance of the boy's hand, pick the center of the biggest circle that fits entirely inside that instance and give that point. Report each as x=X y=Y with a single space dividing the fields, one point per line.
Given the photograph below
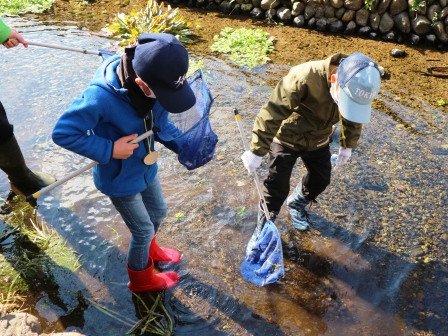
x=123 y=148
x=14 y=39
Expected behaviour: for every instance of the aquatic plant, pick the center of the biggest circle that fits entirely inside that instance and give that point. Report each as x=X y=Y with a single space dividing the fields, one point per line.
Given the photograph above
x=35 y=255
x=155 y=319
x=154 y=18
x=248 y=47
x=16 y=7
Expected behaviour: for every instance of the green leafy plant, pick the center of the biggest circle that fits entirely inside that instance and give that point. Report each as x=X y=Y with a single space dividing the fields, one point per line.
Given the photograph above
x=180 y=216
x=441 y=102
x=155 y=18
x=369 y=4
x=417 y=4
x=8 y=7
x=434 y=18
x=241 y=211
x=248 y=47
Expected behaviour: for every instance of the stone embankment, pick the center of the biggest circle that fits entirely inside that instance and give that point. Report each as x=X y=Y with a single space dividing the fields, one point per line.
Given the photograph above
x=411 y=21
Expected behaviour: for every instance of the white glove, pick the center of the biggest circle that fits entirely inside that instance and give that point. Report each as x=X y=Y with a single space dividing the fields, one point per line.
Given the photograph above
x=343 y=156
x=251 y=161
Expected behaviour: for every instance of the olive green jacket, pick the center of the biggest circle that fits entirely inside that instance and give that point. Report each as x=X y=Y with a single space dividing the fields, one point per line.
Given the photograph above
x=5 y=31
x=300 y=113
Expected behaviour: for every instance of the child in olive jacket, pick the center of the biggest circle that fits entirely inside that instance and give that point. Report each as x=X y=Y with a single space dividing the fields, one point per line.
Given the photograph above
x=297 y=122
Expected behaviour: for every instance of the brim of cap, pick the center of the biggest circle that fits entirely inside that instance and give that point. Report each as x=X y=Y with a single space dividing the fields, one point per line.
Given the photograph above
x=353 y=111
x=176 y=101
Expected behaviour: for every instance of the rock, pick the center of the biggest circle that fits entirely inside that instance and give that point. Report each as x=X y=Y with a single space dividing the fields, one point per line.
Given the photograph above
x=375 y=19
x=413 y=39
x=362 y=17
x=299 y=21
x=351 y=28
x=390 y=37
x=268 y=4
x=421 y=25
x=20 y=324
x=257 y=13
x=397 y=53
x=321 y=25
x=348 y=16
x=402 y=22
x=298 y=8
x=386 y=23
x=353 y=4
x=336 y=27
x=284 y=14
x=438 y=28
x=397 y=6
x=311 y=22
x=382 y=6
x=363 y=31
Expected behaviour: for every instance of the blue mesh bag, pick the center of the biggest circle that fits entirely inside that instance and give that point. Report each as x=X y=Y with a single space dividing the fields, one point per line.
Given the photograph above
x=196 y=142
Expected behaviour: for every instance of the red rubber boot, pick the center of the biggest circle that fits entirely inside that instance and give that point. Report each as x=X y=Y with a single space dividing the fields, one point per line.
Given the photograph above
x=147 y=281
x=163 y=254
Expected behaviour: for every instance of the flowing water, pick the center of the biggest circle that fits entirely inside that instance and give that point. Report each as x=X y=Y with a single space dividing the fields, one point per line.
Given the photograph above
x=375 y=262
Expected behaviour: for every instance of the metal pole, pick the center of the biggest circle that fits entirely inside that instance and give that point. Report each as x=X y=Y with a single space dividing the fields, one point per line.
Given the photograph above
x=54 y=46
x=79 y=171
x=254 y=174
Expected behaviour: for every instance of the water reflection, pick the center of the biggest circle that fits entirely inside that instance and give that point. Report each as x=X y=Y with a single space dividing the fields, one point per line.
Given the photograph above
x=374 y=264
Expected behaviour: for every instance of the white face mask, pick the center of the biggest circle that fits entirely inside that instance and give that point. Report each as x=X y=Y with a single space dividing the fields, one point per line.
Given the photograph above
x=152 y=95
x=334 y=93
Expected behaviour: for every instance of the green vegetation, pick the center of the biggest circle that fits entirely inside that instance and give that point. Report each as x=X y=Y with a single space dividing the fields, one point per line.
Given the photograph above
x=441 y=102
x=369 y=4
x=32 y=255
x=8 y=7
x=154 y=318
x=248 y=47
x=416 y=5
x=241 y=211
x=192 y=67
x=180 y=216
x=154 y=18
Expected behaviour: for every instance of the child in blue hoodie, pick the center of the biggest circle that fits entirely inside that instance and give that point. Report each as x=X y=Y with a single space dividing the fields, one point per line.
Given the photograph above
x=114 y=110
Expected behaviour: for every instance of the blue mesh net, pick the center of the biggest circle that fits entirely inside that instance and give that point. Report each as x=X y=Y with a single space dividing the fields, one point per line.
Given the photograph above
x=196 y=142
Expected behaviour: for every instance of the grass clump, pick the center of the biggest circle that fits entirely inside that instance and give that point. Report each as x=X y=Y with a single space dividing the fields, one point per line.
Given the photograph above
x=155 y=18
x=32 y=256
x=249 y=47
x=8 y=7
x=417 y=5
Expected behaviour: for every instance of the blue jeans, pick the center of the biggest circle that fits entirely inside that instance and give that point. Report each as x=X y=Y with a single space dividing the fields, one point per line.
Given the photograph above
x=142 y=213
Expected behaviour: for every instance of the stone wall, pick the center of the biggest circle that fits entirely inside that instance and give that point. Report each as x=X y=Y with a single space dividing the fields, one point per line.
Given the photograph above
x=413 y=21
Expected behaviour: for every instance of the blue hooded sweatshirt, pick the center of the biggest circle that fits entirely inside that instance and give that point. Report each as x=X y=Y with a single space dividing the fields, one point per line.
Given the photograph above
x=101 y=116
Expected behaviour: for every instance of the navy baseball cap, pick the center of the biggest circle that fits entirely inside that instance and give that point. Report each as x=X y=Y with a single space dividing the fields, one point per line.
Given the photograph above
x=161 y=61
x=359 y=79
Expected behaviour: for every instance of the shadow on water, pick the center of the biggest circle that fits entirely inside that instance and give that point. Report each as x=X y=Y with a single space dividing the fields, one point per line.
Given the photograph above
x=374 y=263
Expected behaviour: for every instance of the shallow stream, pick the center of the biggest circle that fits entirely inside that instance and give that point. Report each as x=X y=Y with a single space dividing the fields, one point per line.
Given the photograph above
x=375 y=262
